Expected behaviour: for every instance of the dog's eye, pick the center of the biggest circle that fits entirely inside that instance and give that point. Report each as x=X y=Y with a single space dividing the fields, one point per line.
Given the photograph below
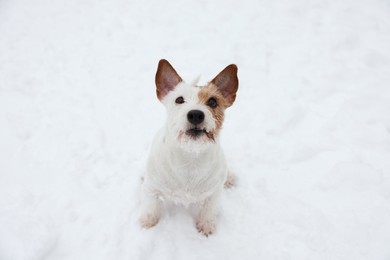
x=212 y=102
x=179 y=100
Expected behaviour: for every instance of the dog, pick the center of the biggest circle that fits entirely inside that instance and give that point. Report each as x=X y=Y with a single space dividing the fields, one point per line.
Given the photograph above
x=186 y=164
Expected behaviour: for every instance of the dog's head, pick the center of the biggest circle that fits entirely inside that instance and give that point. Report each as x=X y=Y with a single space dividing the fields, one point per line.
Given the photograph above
x=195 y=113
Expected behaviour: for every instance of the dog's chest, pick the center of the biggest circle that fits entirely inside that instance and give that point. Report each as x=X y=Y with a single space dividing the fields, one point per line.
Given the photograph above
x=191 y=182
x=186 y=180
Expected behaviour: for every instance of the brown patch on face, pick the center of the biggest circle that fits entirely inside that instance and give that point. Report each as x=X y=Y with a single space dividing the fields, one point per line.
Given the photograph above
x=218 y=112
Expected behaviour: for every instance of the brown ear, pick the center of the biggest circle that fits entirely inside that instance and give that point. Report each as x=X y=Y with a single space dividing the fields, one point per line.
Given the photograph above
x=166 y=78
x=227 y=83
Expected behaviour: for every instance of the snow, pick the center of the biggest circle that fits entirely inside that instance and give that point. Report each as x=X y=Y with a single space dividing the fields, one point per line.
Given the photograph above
x=308 y=137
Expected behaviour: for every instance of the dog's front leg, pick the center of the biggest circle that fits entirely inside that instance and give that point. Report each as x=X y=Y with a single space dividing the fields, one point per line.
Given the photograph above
x=206 y=221
x=152 y=211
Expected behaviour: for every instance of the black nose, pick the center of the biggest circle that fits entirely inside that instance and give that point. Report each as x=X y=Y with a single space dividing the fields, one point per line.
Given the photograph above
x=195 y=117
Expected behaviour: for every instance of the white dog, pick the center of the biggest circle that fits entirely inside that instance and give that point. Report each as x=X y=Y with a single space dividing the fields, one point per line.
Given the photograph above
x=186 y=163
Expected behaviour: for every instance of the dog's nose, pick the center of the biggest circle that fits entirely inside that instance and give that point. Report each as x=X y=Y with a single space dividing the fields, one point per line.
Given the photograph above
x=195 y=117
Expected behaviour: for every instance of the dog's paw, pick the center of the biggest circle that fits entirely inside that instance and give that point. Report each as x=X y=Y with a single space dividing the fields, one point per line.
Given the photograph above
x=148 y=221
x=205 y=227
x=230 y=181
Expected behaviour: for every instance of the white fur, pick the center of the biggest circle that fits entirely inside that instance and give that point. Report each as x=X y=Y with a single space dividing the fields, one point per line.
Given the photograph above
x=182 y=169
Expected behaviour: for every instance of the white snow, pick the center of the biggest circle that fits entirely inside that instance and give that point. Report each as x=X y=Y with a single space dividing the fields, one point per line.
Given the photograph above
x=308 y=137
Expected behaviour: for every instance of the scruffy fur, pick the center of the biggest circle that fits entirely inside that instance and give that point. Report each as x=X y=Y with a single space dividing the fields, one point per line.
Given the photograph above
x=186 y=163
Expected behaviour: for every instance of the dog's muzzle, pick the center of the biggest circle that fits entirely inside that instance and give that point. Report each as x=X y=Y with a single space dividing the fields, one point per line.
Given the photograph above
x=195 y=118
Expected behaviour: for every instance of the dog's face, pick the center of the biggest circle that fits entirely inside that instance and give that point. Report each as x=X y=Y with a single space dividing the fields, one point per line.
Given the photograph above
x=195 y=114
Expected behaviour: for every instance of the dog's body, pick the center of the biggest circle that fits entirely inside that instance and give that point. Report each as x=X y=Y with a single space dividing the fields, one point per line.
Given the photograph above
x=182 y=176
x=186 y=164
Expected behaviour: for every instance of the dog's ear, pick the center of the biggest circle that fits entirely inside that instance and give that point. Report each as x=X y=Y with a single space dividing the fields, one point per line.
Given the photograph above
x=227 y=83
x=166 y=78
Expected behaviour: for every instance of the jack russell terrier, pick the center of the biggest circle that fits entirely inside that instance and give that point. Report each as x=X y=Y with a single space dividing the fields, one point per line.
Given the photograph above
x=186 y=164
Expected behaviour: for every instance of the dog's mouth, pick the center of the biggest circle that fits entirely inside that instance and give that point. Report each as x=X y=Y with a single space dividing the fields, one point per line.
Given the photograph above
x=196 y=132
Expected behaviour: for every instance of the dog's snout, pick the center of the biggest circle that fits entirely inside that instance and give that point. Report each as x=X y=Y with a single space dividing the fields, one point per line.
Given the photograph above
x=195 y=117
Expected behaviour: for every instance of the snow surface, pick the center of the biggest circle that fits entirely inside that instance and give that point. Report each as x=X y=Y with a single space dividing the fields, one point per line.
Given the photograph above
x=308 y=137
